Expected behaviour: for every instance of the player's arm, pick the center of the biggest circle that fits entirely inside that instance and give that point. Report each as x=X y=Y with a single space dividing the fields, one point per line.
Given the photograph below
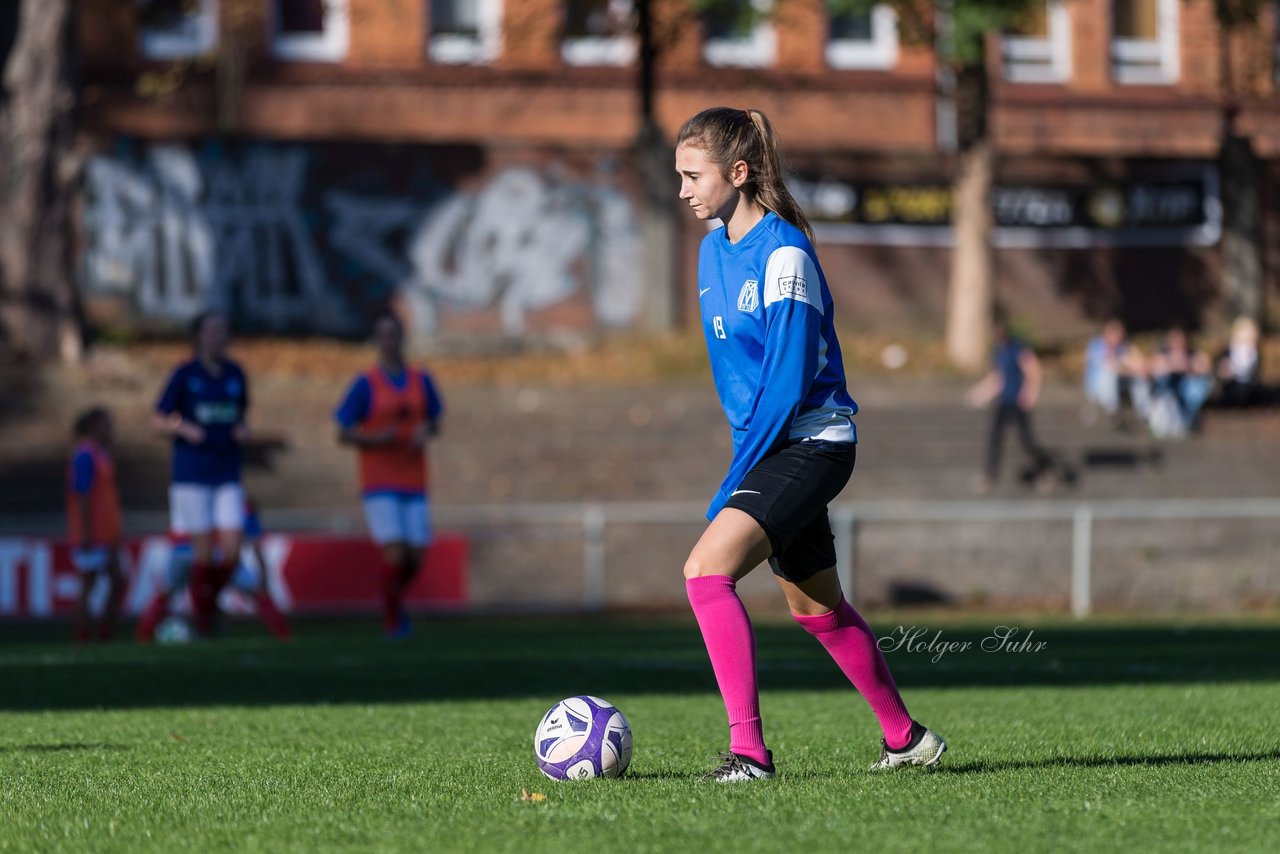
x=82 y=481
x=793 y=324
x=984 y=390
x=167 y=418
x=1031 y=378
x=430 y=426
x=435 y=405
x=240 y=430
x=352 y=412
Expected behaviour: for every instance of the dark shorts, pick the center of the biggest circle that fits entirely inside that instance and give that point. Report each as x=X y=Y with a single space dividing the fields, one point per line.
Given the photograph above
x=788 y=493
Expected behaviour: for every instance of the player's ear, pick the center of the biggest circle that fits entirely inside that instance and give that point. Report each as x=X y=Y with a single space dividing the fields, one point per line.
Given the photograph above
x=739 y=173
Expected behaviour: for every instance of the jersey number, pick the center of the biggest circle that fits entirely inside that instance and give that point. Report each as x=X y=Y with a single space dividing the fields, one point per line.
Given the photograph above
x=718 y=323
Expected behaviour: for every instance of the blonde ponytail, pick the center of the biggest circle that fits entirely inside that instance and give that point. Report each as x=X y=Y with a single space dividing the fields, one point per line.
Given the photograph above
x=728 y=135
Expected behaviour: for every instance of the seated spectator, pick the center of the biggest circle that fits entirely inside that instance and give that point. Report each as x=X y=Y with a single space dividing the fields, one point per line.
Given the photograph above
x=1181 y=379
x=1113 y=368
x=1238 y=366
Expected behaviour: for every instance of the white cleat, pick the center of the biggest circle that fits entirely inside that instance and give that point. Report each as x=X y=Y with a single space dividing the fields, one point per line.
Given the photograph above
x=925 y=748
x=734 y=769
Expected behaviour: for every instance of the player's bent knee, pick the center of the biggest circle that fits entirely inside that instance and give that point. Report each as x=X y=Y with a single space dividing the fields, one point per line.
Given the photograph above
x=697 y=567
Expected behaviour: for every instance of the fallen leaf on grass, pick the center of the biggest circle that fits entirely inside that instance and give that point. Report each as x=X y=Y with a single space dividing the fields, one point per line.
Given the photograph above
x=536 y=797
x=177 y=737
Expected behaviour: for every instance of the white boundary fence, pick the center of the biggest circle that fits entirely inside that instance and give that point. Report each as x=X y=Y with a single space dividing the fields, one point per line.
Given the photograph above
x=594 y=519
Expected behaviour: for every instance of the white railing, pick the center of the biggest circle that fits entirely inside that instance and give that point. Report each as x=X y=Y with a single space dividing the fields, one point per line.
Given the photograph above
x=594 y=519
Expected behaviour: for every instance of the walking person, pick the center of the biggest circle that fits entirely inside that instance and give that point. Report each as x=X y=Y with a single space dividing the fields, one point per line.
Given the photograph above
x=388 y=414
x=202 y=409
x=1013 y=387
x=767 y=318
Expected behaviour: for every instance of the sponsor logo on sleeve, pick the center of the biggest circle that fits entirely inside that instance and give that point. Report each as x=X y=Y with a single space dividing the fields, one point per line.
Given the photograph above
x=749 y=296
x=793 y=287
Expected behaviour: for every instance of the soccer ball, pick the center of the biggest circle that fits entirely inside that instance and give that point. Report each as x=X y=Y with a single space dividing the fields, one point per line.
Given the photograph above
x=174 y=630
x=583 y=737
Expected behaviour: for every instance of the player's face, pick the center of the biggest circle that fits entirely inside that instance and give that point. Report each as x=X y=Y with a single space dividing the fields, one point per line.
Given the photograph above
x=708 y=192
x=387 y=337
x=212 y=340
x=105 y=431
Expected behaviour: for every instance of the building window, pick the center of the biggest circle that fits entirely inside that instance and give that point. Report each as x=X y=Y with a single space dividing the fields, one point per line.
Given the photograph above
x=1037 y=49
x=309 y=30
x=738 y=33
x=177 y=29
x=861 y=39
x=1144 y=41
x=598 y=32
x=465 y=31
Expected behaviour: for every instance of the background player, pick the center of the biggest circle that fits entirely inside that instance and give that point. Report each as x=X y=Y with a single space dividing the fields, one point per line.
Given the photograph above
x=252 y=582
x=388 y=413
x=93 y=521
x=203 y=408
x=775 y=359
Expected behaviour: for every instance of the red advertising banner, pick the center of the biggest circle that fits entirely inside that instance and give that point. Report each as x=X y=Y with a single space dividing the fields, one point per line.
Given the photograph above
x=306 y=574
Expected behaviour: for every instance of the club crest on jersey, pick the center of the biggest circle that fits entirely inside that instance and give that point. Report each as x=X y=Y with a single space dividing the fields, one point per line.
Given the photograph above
x=793 y=287
x=749 y=296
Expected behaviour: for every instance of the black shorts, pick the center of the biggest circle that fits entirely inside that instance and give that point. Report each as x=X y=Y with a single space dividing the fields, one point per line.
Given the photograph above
x=787 y=493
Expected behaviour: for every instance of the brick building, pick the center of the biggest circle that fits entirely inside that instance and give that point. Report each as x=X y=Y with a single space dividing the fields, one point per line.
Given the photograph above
x=305 y=160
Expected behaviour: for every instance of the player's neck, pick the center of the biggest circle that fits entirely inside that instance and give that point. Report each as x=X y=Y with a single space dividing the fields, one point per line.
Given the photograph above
x=392 y=365
x=211 y=363
x=746 y=215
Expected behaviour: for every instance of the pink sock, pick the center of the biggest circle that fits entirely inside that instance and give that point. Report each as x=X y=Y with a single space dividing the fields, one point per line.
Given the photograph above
x=849 y=640
x=726 y=630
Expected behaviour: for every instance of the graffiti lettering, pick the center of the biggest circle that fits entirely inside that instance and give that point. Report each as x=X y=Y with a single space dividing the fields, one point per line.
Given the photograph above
x=257 y=231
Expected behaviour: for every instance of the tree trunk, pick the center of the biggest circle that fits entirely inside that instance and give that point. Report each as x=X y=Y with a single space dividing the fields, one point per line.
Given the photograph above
x=655 y=159
x=1242 y=273
x=969 y=297
x=37 y=98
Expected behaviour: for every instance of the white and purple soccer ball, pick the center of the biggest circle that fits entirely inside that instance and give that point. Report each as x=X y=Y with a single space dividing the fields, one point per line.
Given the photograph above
x=583 y=737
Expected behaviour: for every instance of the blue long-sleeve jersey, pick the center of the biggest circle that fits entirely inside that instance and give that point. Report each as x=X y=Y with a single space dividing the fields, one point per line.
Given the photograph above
x=767 y=317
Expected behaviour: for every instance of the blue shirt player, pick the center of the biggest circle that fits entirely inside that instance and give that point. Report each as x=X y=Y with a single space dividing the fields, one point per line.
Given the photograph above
x=768 y=319
x=202 y=409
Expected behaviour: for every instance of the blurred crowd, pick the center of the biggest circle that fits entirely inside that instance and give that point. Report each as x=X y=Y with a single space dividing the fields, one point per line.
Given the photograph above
x=1167 y=389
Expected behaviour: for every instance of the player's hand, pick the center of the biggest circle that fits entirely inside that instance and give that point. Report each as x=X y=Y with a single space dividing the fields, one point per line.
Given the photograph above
x=421 y=433
x=380 y=439
x=1026 y=400
x=193 y=433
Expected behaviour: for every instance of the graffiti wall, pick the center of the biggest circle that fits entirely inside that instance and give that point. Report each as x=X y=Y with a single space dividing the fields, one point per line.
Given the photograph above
x=315 y=238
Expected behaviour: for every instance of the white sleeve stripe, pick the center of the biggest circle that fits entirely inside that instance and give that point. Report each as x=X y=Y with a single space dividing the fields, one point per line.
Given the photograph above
x=791 y=274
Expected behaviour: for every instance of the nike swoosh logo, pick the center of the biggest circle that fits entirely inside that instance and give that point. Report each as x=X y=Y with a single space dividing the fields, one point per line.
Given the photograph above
x=703 y=291
x=743 y=492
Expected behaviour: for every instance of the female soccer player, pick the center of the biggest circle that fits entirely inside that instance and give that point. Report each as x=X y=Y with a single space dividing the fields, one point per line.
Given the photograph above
x=203 y=409
x=388 y=413
x=93 y=520
x=767 y=317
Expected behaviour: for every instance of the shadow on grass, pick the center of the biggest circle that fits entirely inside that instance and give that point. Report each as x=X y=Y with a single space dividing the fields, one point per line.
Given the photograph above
x=58 y=748
x=549 y=658
x=1108 y=762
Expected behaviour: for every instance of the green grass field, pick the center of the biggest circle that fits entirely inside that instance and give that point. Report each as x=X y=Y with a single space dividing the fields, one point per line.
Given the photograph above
x=1150 y=736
